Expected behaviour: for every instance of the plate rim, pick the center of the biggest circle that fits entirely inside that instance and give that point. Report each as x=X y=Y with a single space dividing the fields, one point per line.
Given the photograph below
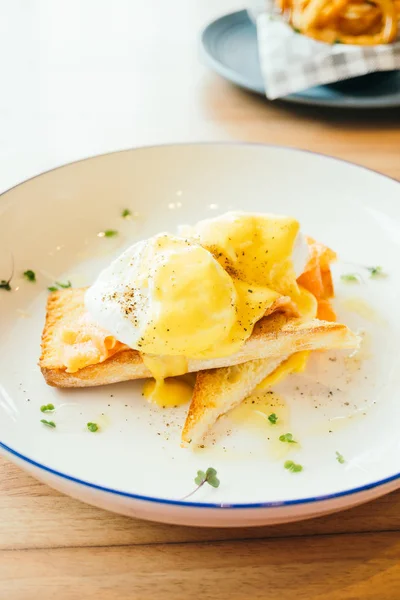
x=296 y=98
x=180 y=502
x=208 y=505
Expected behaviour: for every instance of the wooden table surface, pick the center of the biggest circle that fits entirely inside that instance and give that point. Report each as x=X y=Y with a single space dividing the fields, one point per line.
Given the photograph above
x=122 y=74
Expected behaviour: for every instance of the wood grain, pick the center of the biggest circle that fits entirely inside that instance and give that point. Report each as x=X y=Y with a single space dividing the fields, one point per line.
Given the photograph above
x=33 y=516
x=370 y=139
x=55 y=547
x=349 y=567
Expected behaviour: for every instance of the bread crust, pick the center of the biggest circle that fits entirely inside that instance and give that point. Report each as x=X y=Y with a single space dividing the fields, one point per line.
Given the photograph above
x=272 y=336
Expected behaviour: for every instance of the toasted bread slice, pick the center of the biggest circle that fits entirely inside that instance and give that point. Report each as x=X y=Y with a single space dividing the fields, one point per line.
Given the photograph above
x=272 y=336
x=219 y=390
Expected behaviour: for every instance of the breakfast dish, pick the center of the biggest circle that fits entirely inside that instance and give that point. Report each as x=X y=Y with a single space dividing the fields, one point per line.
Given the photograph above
x=304 y=442
x=357 y=22
x=233 y=298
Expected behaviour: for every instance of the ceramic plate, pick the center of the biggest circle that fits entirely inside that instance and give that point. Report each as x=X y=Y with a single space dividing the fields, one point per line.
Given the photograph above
x=134 y=464
x=230 y=48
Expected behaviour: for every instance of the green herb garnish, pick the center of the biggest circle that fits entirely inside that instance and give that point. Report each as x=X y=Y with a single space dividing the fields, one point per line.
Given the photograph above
x=340 y=458
x=351 y=278
x=272 y=418
x=5 y=283
x=209 y=476
x=110 y=233
x=287 y=437
x=47 y=408
x=338 y=41
x=48 y=423
x=296 y=29
x=59 y=285
x=126 y=213
x=375 y=272
x=292 y=466
x=92 y=427
x=30 y=275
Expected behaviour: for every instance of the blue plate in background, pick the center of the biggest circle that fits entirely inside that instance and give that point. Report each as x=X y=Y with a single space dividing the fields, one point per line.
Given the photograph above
x=230 y=48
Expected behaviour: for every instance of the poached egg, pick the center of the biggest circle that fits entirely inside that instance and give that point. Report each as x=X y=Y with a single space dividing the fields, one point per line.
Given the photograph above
x=199 y=294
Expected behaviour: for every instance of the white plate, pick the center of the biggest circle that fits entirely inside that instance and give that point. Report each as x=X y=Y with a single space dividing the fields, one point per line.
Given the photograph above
x=135 y=464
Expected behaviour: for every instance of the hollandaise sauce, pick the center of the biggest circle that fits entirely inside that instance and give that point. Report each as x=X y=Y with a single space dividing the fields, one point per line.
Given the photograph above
x=199 y=295
x=266 y=413
x=170 y=386
x=362 y=308
x=168 y=393
x=262 y=410
x=294 y=364
x=195 y=295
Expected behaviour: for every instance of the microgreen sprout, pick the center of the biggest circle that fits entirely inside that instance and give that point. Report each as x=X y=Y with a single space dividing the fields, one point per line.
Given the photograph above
x=340 y=458
x=287 y=437
x=209 y=476
x=351 y=278
x=272 y=418
x=292 y=466
x=108 y=233
x=376 y=272
x=48 y=423
x=59 y=285
x=93 y=427
x=5 y=283
x=30 y=275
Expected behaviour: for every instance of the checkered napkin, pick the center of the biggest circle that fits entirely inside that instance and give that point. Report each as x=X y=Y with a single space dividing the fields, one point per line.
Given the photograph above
x=291 y=62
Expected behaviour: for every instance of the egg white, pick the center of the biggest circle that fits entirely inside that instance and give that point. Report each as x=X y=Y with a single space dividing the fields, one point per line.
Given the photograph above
x=132 y=270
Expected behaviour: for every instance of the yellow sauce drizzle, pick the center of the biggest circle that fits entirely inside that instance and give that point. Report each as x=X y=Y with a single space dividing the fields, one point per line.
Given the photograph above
x=255 y=410
x=294 y=364
x=254 y=413
x=168 y=393
x=363 y=309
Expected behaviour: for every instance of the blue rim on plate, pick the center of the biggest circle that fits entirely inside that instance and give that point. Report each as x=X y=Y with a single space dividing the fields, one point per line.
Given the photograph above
x=229 y=47
x=8 y=450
